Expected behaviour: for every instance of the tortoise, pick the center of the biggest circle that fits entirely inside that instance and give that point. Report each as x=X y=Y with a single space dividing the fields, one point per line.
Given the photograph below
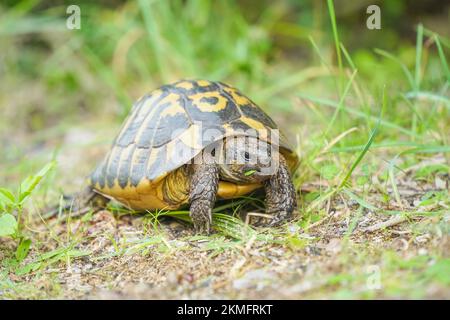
x=190 y=142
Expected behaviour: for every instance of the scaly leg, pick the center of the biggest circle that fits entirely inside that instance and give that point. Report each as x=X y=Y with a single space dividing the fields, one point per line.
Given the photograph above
x=202 y=196
x=281 y=199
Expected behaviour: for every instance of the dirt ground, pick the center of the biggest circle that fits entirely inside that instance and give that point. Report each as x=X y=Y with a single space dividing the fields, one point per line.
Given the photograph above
x=347 y=251
x=130 y=258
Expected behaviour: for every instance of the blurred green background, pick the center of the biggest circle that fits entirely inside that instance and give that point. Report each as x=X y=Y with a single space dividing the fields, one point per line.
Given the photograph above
x=53 y=78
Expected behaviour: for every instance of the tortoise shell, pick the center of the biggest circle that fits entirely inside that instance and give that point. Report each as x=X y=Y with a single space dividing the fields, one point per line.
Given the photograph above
x=165 y=130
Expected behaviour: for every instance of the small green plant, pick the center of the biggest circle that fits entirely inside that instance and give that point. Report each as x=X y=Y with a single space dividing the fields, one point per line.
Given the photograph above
x=224 y=223
x=11 y=210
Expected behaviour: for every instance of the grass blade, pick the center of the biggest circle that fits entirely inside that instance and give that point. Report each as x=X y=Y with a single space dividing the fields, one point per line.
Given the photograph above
x=419 y=46
x=335 y=32
x=401 y=64
x=442 y=57
x=367 y=145
x=360 y=114
x=348 y=58
x=341 y=102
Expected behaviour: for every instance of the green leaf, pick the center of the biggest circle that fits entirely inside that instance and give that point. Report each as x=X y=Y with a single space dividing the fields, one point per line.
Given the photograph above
x=28 y=268
x=51 y=254
x=223 y=223
x=249 y=173
x=30 y=183
x=22 y=250
x=8 y=225
x=7 y=199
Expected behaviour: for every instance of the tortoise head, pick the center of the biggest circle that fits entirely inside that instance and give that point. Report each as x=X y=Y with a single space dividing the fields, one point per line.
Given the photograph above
x=247 y=159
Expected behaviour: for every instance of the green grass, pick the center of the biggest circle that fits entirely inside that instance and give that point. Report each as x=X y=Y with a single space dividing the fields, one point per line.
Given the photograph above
x=371 y=126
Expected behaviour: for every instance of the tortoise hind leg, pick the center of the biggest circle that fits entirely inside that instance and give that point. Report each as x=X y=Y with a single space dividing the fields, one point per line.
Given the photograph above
x=80 y=203
x=96 y=201
x=202 y=196
x=86 y=198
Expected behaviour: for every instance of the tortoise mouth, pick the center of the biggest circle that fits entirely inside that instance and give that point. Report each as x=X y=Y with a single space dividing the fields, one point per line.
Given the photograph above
x=244 y=174
x=257 y=173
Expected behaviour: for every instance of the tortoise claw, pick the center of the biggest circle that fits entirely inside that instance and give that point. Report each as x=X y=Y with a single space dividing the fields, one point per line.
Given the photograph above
x=201 y=217
x=274 y=220
x=202 y=227
x=279 y=218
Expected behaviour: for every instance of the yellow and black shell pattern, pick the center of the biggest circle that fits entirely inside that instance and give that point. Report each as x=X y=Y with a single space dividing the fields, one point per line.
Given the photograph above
x=165 y=130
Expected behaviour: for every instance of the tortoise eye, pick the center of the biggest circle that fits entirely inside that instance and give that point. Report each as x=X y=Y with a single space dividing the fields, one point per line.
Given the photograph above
x=246 y=156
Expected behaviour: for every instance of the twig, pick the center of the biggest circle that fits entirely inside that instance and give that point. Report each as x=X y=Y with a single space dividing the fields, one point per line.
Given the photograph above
x=336 y=140
x=256 y=214
x=386 y=224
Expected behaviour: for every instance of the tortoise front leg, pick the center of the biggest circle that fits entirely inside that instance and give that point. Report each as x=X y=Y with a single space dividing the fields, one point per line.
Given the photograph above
x=281 y=199
x=202 y=196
